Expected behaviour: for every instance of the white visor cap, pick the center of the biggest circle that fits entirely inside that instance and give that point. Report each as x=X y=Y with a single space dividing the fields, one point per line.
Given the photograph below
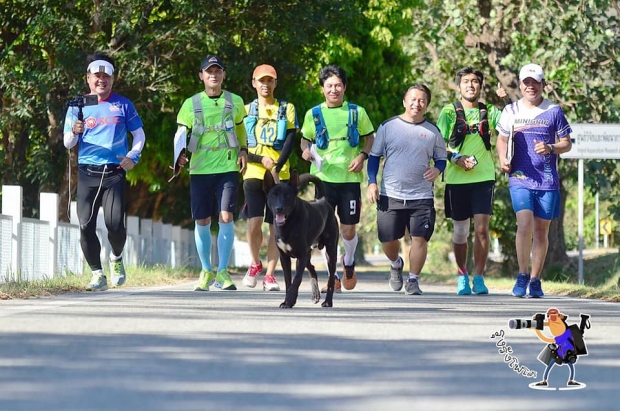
x=101 y=66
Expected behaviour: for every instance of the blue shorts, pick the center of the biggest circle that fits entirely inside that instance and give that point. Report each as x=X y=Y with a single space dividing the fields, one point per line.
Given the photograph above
x=544 y=204
x=212 y=193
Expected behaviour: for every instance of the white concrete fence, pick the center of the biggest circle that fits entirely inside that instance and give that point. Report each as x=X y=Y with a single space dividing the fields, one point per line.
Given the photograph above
x=32 y=249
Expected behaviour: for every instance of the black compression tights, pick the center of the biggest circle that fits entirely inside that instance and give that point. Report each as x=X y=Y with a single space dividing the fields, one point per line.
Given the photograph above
x=101 y=187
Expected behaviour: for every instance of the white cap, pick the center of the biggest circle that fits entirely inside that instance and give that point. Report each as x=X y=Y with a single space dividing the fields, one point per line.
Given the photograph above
x=101 y=66
x=532 y=71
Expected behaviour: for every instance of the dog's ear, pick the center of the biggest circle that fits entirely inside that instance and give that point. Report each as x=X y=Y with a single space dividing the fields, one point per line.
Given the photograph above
x=293 y=181
x=268 y=181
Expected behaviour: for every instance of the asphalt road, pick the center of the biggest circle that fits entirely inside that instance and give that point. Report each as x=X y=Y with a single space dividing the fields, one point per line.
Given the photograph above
x=169 y=348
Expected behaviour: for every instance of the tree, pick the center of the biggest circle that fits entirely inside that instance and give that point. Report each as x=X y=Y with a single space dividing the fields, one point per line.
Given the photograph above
x=157 y=46
x=385 y=45
x=575 y=41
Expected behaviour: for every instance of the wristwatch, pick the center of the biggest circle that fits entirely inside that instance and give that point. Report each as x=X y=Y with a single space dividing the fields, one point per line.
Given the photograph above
x=365 y=154
x=552 y=148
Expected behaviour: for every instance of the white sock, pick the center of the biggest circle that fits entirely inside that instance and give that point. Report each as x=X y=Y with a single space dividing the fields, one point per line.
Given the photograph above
x=395 y=264
x=349 y=250
x=414 y=276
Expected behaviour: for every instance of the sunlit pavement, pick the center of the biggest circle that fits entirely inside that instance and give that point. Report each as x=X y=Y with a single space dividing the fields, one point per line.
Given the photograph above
x=169 y=348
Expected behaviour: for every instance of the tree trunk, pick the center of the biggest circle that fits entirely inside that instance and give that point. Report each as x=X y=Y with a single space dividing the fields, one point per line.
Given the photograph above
x=556 y=254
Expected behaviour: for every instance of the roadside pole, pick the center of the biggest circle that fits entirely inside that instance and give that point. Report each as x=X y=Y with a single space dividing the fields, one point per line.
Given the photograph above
x=591 y=142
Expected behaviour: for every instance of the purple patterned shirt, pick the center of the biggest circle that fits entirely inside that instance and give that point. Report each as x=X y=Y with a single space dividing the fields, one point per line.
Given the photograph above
x=545 y=123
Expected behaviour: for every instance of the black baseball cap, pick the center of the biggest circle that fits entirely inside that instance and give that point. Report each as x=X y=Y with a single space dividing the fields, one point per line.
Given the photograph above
x=210 y=61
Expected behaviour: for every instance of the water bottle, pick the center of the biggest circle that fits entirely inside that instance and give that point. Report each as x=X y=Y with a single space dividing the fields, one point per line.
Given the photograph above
x=229 y=126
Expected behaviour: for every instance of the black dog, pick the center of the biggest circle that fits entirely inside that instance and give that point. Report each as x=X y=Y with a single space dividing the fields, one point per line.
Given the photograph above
x=299 y=225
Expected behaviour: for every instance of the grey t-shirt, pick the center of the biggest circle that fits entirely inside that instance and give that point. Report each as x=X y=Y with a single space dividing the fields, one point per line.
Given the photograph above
x=407 y=149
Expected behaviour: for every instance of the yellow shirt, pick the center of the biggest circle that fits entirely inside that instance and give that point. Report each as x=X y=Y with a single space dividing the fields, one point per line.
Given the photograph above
x=266 y=133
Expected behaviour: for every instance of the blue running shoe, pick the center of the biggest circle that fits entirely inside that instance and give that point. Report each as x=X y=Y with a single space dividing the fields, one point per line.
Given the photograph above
x=521 y=284
x=462 y=285
x=536 y=288
x=479 y=287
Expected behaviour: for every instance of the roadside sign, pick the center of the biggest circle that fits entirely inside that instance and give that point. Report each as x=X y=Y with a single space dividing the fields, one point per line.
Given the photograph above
x=606 y=227
x=595 y=141
x=591 y=142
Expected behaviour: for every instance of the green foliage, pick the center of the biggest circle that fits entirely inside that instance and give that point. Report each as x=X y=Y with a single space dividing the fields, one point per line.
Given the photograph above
x=158 y=46
x=576 y=42
x=385 y=45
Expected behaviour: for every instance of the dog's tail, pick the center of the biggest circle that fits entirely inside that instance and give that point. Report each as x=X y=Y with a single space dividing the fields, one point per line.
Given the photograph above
x=319 y=187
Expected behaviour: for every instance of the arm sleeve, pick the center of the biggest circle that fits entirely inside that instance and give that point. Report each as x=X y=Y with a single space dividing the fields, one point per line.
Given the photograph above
x=254 y=158
x=373 y=168
x=439 y=153
x=70 y=139
x=287 y=149
x=137 y=145
x=440 y=165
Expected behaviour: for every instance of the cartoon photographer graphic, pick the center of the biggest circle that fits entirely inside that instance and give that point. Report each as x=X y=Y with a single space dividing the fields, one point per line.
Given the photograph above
x=564 y=346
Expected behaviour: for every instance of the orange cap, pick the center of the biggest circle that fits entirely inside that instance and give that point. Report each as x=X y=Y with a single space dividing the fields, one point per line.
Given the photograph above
x=264 y=70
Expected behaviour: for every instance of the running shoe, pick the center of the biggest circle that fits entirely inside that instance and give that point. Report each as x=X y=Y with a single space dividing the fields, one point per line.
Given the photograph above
x=250 y=279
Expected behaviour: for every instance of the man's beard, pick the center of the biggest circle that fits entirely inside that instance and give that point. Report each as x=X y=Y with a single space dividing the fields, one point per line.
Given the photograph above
x=472 y=99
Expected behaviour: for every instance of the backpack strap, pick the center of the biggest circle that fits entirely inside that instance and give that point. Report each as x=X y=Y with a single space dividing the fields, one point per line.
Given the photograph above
x=281 y=122
x=228 y=122
x=321 y=138
x=250 y=123
x=282 y=109
x=483 y=125
x=353 y=134
x=198 y=126
x=253 y=108
x=461 y=128
x=226 y=127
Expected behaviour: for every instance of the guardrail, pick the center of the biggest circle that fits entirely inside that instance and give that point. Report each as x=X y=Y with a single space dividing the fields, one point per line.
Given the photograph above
x=32 y=249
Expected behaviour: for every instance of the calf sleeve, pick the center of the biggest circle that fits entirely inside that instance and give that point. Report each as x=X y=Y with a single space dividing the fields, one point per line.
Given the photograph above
x=225 y=241
x=202 y=235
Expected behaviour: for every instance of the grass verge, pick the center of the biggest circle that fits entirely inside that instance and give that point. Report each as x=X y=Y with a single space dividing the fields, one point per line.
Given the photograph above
x=136 y=277
x=601 y=279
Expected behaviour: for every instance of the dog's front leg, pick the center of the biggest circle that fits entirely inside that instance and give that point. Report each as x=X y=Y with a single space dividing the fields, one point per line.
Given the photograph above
x=285 y=262
x=331 y=268
x=293 y=291
x=315 y=295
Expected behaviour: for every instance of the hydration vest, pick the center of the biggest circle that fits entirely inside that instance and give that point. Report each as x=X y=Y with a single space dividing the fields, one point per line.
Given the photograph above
x=225 y=129
x=461 y=128
x=252 y=118
x=321 y=137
